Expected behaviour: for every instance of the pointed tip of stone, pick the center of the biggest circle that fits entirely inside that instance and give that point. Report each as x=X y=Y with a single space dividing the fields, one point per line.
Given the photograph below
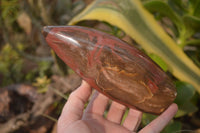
x=46 y=30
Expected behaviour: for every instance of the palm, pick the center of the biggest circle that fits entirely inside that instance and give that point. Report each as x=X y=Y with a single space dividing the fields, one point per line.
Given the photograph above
x=92 y=120
x=97 y=124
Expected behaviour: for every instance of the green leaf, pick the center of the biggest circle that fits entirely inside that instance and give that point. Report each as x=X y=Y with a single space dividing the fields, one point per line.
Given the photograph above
x=195 y=7
x=125 y=115
x=178 y=6
x=9 y=10
x=184 y=92
x=137 y=22
x=159 y=61
x=192 y=23
x=147 y=118
x=186 y=108
x=173 y=127
x=164 y=9
x=10 y=65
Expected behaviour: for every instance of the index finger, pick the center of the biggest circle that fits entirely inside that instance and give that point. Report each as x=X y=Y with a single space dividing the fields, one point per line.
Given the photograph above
x=73 y=109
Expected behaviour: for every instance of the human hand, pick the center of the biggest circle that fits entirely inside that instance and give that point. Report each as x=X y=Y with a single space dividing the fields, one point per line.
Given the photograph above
x=75 y=120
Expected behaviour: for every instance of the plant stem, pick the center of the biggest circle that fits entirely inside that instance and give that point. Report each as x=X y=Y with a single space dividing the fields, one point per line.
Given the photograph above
x=59 y=93
x=49 y=117
x=193 y=42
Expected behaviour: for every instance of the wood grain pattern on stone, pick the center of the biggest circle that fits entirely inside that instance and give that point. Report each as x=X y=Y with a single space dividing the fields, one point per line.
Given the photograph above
x=113 y=67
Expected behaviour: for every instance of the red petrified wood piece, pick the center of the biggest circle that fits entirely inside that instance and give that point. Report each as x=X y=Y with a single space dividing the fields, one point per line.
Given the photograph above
x=114 y=68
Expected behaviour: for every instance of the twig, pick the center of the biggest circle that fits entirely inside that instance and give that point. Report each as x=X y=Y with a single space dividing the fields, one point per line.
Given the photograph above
x=58 y=93
x=49 y=117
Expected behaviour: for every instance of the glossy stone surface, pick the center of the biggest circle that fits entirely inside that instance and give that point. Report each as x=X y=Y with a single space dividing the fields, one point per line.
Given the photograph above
x=114 y=68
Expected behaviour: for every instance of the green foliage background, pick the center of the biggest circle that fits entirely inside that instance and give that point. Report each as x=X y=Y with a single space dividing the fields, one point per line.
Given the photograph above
x=179 y=18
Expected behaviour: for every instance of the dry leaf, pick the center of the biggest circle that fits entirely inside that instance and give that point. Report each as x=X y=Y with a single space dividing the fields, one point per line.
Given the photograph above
x=24 y=22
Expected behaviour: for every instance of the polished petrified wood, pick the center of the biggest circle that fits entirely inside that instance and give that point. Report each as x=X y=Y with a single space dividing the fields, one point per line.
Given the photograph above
x=114 y=68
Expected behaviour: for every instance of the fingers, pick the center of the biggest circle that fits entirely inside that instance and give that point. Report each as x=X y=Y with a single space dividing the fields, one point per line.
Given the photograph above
x=133 y=120
x=74 y=107
x=161 y=121
x=116 y=112
x=97 y=105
